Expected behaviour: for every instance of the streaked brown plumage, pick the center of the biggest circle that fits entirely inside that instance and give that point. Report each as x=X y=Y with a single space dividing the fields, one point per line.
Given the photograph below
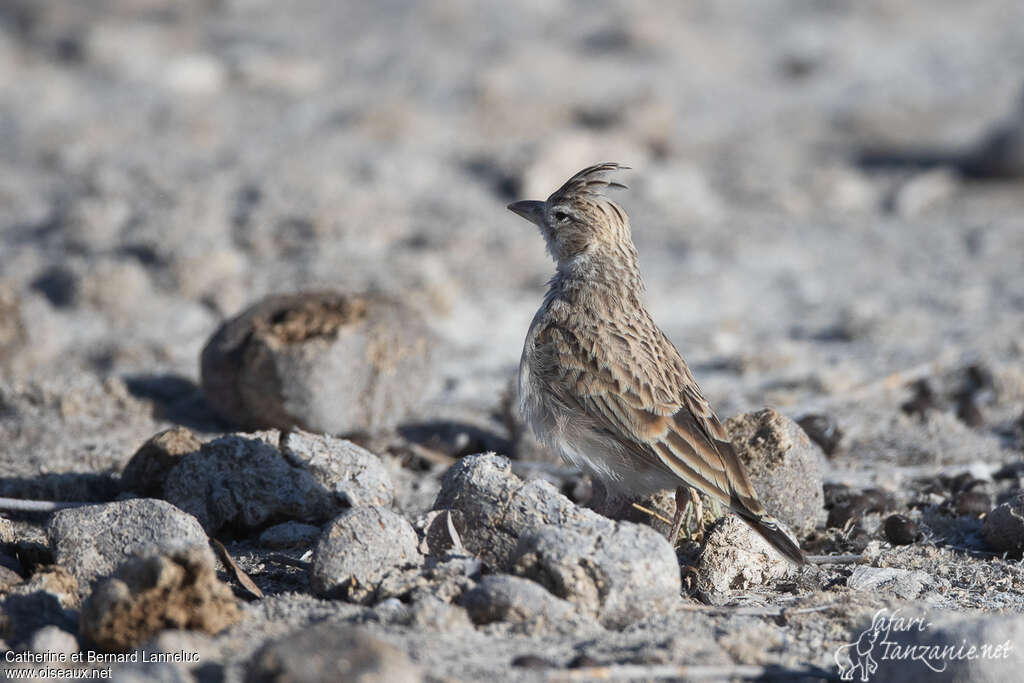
x=602 y=384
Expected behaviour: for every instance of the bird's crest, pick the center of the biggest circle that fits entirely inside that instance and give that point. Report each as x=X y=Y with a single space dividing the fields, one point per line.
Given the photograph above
x=590 y=181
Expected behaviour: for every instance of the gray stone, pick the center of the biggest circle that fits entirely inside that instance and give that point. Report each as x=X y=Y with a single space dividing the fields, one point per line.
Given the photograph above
x=784 y=465
x=331 y=651
x=903 y=583
x=322 y=361
x=148 y=594
x=242 y=482
x=735 y=556
x=512 y=599
x=611 y=570
x=289 y=535
x=145 y=472
x=355 y=475
x=1003 y=528
x=615 y=571
x=357 y=551
x=497 y=507
x=93 y=540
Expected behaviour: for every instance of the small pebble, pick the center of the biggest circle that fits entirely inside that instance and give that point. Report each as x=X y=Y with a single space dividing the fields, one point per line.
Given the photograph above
x=901 y=530
x=823 y=430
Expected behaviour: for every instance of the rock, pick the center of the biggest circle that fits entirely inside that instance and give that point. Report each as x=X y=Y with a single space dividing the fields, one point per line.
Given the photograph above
x=952 y=647
x=846 y=505
x=56 y=581
x=53 y=639
x=1000 y=154
x=973 y=503
x=321 y=361
x=93 y=540
x=445 y=580
x=439 y=530
x=148 y=468
x=1003 y=528
x=783 y=464
x=330 y=651
x=358 y=549
x=289 y=535
x=532 y=530
x=242 y=482
x=497 y=507
x=736 y=557
x=22 y=615
x=822 y=430
x=433 y=615
x=903 y=583
x=515 y=600
x=149 y=594
x=7 y=534
x=616 y=571
x=355 y=475
x=901 y=530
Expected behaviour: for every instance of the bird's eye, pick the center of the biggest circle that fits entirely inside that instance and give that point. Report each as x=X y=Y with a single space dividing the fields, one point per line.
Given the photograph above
x=561 y=216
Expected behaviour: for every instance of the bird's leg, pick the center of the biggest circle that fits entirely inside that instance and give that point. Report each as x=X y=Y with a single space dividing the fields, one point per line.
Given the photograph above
x=682 y=503
x=698 y=509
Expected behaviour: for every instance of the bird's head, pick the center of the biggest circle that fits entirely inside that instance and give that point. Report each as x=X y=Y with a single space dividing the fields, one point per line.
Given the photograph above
x=578 y=219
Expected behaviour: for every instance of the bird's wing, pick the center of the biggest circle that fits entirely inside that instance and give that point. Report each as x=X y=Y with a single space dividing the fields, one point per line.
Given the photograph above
x=633 y=384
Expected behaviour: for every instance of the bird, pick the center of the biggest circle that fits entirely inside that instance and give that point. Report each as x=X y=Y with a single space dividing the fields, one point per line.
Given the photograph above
x=601 y=384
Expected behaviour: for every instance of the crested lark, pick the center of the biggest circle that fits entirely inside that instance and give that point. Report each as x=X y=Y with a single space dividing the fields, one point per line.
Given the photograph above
x=601 y=384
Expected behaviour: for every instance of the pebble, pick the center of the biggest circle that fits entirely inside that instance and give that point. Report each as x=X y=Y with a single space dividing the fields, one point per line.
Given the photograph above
x=1003 y=528
x=329 y=651
x=784 y=466
x=735 y=557
x=289 y=535
x=92 y=541
x=822 y=430
x=356 y=476
x=515 y=600
x=902 y=583
x=156 y=592
x=901 y=530
x=243 y=482
x=321 y=361
x=357 y=551
x=144 y=474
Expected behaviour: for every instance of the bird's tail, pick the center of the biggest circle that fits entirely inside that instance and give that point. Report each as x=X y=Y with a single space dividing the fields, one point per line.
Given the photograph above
x=770 y=530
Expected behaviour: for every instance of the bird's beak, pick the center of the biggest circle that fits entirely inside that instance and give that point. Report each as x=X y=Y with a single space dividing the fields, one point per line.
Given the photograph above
x=531 y=210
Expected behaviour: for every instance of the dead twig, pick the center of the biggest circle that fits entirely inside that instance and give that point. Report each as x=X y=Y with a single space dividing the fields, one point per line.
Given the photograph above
x=432 y=455
x=288 y=561
x=652 y=513
x=237 y=572
x=20 y=505
x=834 y=559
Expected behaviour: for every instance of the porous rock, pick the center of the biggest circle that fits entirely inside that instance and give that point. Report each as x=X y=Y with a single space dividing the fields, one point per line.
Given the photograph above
x=903 y=583
x=1003 y=528
x=243 y=482
x=93 y=540
x=355 y=475
x=330 y=651
x=497 y=507
x=615 y=571
x=156 y=592
x=145 y=472
x=784 y=466
x=321 y=361
x=736 y=557
x=357 y=551
x=611 y=570
x=515 y=600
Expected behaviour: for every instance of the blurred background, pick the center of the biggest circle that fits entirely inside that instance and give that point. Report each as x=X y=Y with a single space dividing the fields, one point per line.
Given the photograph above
x=823 y=192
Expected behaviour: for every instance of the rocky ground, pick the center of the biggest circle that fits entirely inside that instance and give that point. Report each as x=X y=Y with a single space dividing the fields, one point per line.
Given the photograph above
x=828 y=202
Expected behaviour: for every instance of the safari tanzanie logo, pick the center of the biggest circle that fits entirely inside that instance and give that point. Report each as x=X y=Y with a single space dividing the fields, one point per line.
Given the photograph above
x=892 y=637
